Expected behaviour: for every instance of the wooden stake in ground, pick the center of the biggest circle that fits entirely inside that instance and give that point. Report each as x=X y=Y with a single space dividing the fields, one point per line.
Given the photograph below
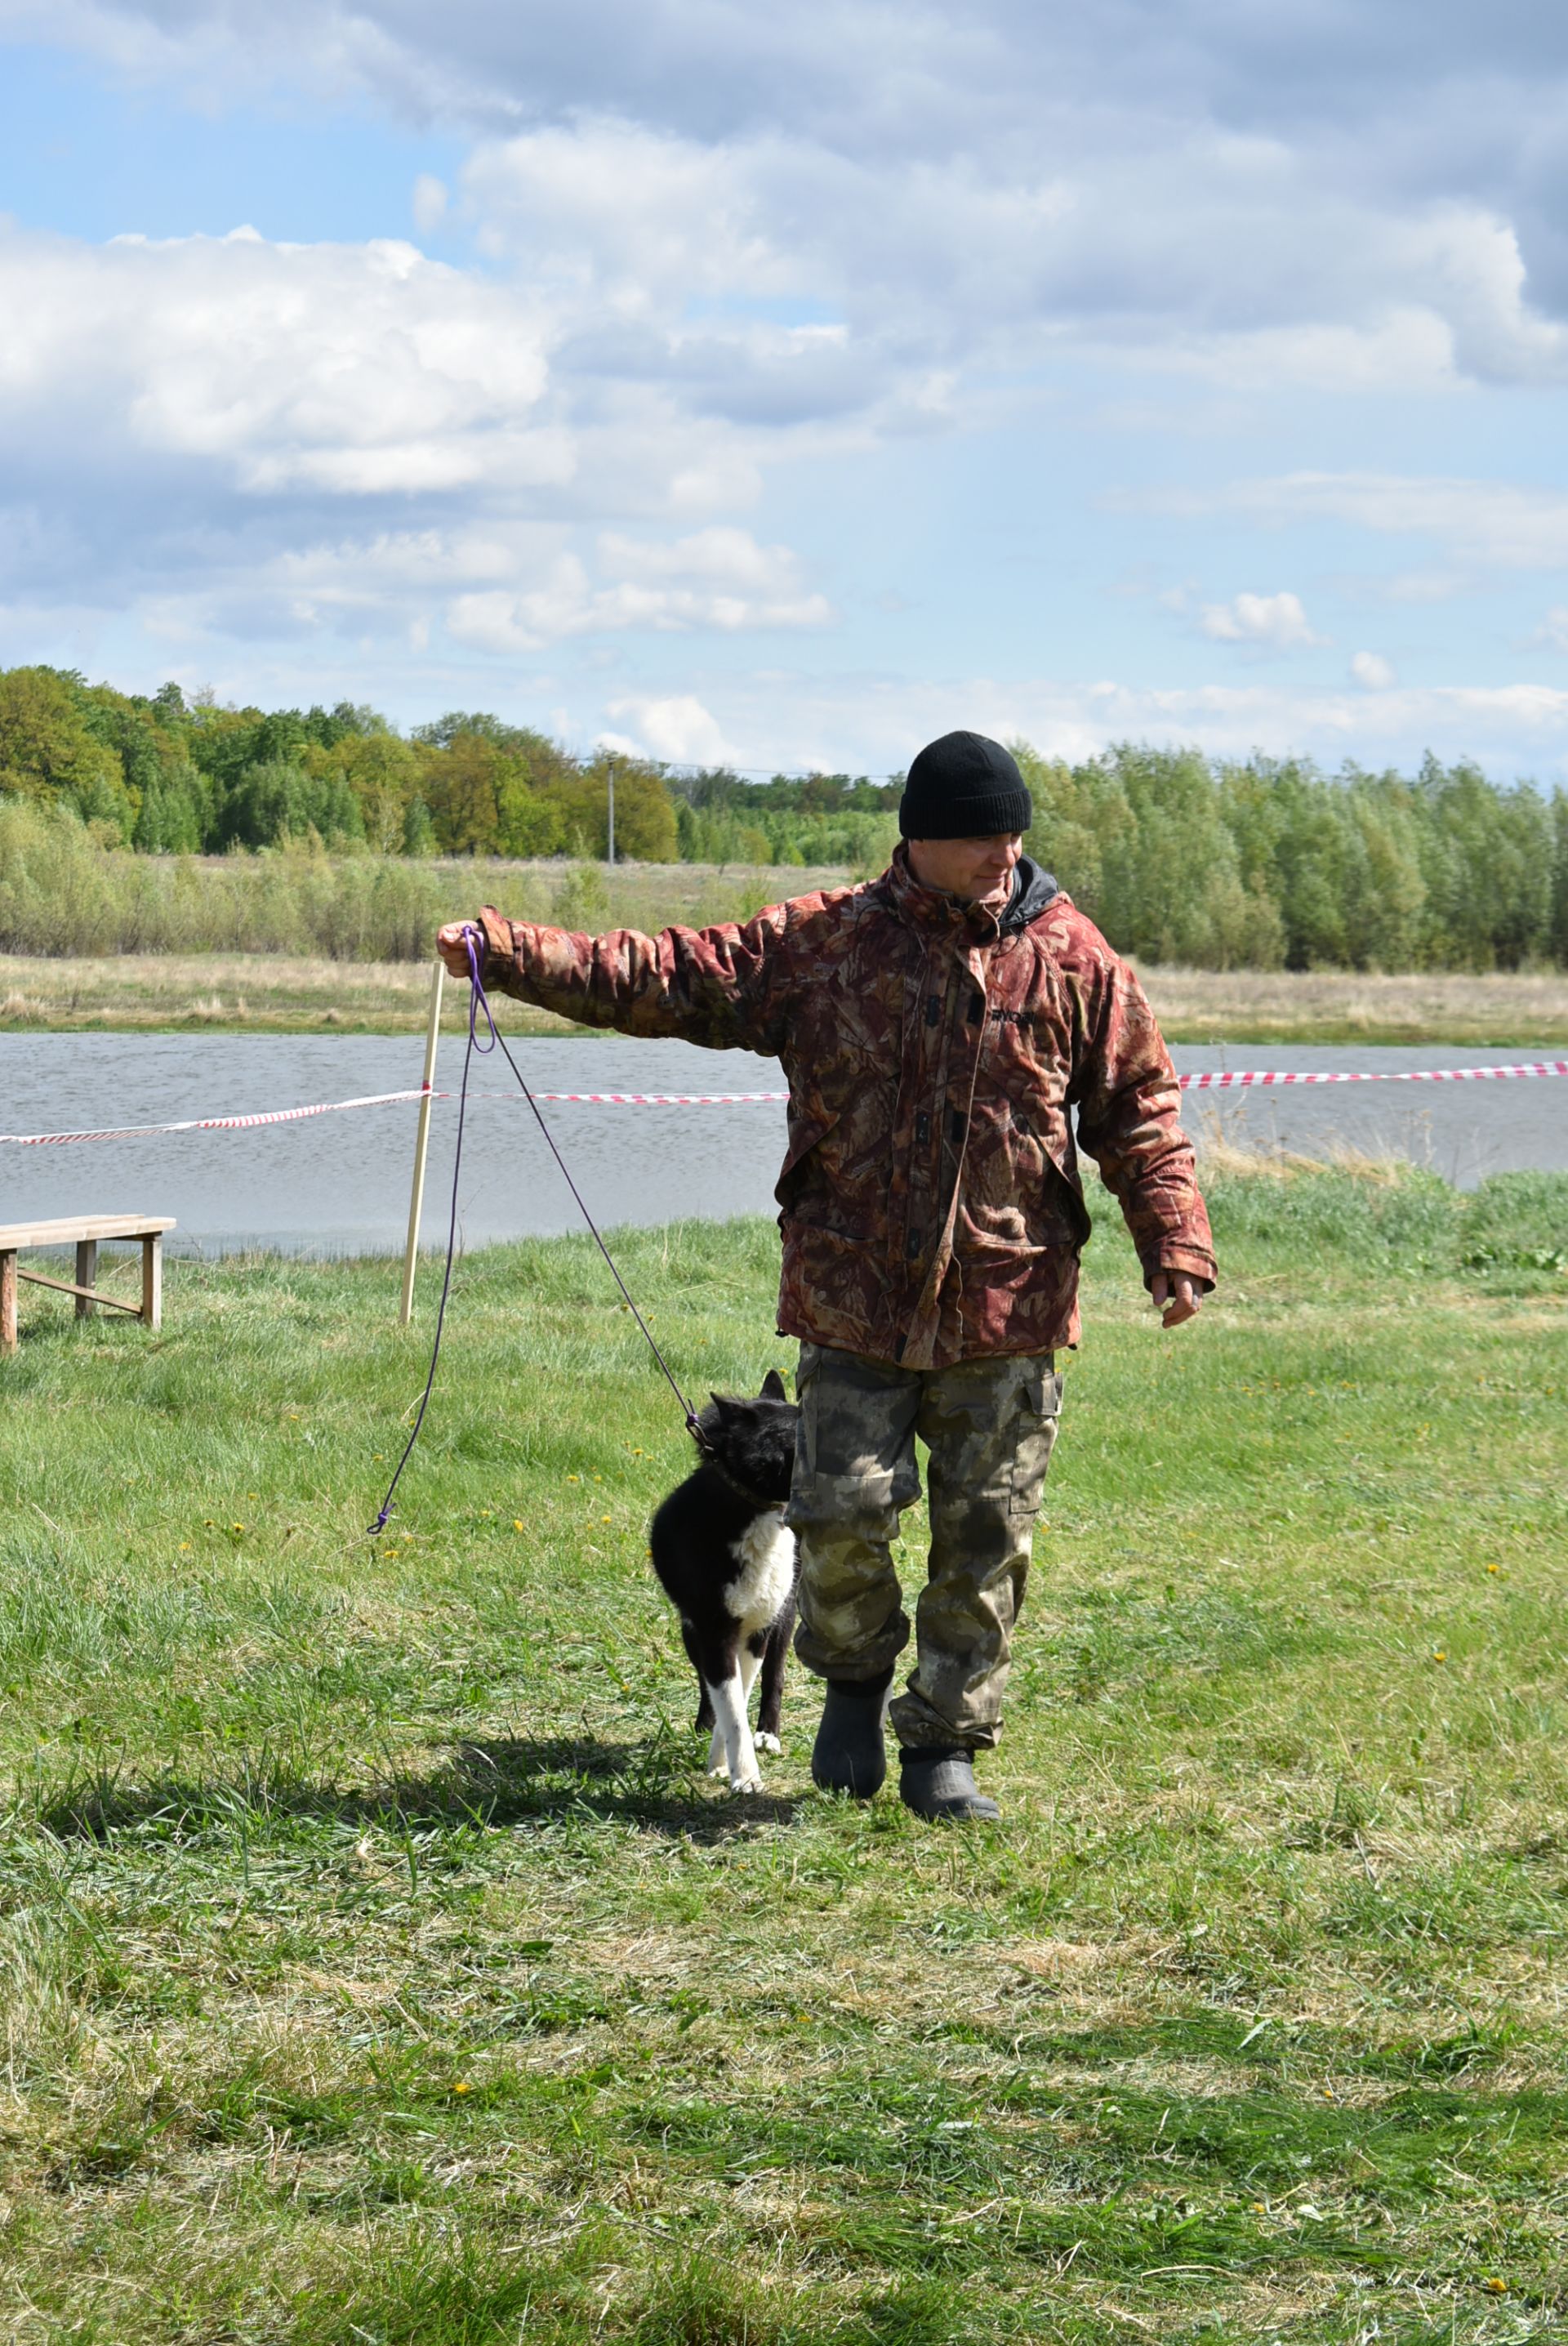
x=421 y=1143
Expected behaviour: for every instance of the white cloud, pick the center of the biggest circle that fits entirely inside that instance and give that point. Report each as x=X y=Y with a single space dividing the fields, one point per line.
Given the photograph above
x=717 y=578
x=794 y=721
x=1372 y=670
x=678 y=728
x=213 y=411
x=430 y=198
x=719 y=241
x=353 y=368
x=1552 y=636
x=1497 y=525
x=1272 y=622
x=720 y=556
x=1264 y=196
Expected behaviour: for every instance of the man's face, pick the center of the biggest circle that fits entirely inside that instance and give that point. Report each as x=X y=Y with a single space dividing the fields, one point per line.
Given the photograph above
x=979 y=869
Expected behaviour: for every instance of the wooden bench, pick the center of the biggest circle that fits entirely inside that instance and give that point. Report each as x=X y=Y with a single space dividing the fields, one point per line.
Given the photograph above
x=85 y=1232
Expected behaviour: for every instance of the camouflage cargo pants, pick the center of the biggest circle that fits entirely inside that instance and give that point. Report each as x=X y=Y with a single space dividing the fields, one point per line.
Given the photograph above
x=989 y=1425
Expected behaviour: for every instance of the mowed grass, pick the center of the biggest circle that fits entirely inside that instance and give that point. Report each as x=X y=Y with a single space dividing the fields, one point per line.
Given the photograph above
x=376 y=1962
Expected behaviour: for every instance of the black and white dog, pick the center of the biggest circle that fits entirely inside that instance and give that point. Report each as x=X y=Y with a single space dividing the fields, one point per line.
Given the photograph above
x=726 y=1562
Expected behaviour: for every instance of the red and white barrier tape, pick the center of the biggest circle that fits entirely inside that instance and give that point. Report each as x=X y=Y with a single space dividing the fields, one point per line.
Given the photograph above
x=206 y=1123
x=654 y=1100
x=1214 y=1080
x=1218 y=1080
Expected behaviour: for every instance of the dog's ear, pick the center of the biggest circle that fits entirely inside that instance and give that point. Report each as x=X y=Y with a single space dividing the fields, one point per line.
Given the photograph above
x=772 y=1387
x=723 y=1403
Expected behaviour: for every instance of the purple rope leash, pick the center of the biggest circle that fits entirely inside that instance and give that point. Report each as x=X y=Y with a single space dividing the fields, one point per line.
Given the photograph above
x=478 y=1000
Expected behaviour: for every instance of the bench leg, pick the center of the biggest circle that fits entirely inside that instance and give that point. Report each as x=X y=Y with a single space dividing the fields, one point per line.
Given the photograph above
x=8 y=1302
x=86 y=1273
x=152 y=1280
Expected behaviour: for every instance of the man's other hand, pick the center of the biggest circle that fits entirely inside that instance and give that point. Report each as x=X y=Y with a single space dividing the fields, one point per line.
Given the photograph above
x=1175 y=1296
x=451 y=943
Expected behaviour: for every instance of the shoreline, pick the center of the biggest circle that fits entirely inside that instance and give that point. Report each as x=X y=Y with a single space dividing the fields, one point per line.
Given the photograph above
x=267 y=994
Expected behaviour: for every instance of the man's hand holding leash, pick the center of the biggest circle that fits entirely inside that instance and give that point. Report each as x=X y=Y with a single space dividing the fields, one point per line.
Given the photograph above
x=452 y=944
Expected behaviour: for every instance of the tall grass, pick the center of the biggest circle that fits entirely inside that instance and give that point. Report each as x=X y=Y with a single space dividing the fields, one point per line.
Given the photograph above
x=63 y=893
x=376 y=1962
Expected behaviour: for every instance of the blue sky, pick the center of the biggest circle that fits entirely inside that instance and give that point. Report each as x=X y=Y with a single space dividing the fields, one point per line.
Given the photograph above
x=790 y=386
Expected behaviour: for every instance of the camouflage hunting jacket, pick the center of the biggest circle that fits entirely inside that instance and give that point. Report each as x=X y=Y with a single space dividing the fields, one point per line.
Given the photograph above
x=930 y=1199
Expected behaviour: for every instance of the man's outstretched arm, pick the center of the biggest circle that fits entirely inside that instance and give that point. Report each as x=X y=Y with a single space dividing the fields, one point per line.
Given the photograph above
x=725 y=987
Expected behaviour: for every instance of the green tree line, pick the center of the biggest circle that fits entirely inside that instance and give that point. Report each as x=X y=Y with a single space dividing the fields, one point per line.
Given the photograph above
x=1258 y=863
x=173 y=777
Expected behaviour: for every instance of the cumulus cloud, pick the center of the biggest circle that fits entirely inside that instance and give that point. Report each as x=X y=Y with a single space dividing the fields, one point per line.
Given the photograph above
x=244 y=428
x=948 y=179
x=1491 y=524
x=358 y=370
x=1271 y=622
x=1371 y=670
x=678 y=729
x=1552 y=636
x=431 y=199
x=1501 y=524
x=717 y=578
x=872 y=722
x=713 y=244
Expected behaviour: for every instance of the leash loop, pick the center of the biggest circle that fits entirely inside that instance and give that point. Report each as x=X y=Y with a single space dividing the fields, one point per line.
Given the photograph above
x=479 y=1000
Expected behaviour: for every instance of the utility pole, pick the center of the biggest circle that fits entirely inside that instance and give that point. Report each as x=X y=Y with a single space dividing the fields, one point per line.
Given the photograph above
x=610 y=779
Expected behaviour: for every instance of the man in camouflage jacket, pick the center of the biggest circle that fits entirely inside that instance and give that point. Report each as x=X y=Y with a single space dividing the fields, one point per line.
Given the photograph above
x=935 y=1026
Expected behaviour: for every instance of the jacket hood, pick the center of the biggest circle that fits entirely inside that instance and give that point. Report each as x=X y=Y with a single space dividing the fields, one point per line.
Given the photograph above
x=1032 y=889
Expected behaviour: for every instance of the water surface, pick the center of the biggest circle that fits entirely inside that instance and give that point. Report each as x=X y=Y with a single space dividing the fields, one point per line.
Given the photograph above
x=340 y=1184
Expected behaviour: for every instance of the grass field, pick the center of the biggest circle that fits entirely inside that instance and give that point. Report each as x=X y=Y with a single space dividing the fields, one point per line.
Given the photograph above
x=278 y=994
x=377 y=1965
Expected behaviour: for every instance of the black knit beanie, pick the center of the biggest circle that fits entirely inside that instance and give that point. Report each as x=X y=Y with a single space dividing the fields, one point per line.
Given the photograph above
x=963 y=787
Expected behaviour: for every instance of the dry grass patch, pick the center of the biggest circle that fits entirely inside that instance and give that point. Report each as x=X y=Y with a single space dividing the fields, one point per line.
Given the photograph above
x=1497 y=1007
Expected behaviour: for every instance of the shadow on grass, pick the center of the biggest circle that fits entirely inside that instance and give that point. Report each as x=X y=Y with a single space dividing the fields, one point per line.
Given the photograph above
x=500 y=1784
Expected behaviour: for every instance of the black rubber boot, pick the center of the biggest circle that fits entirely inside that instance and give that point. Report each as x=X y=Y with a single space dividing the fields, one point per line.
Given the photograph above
x=849 y=1754
x=938 y=1785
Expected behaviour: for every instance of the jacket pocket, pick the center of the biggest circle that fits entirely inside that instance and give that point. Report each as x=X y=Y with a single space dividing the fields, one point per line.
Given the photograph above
x=1069 y=1200
x=1039 y=1412
x=807 y=1135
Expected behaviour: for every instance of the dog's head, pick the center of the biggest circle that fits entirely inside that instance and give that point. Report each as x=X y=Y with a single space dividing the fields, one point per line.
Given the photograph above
x=754 y=1438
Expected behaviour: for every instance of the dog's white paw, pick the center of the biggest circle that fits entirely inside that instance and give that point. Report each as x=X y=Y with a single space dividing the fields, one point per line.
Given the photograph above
x=716 y=1772
x=768 y=1743
x=746 y=1783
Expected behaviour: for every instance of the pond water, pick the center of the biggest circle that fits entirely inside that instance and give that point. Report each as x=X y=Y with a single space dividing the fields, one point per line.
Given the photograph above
x=340 y=1184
